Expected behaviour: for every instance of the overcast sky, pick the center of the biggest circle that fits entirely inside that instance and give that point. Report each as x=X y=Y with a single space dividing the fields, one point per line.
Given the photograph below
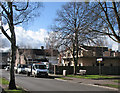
x=34 y=33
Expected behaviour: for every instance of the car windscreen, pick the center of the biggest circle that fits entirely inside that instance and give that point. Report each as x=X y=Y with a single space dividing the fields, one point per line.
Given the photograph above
x=24 y=66
x=40 y=66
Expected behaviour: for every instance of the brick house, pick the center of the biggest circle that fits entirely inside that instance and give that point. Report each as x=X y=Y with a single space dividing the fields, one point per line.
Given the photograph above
x=28 y=56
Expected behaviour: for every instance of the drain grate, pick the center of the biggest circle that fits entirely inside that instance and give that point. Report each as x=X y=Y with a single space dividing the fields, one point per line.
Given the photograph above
x=79 y=82
x=96 y=84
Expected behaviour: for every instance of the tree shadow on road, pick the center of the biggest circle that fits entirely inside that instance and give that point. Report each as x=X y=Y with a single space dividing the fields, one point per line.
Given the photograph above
x=49 y=77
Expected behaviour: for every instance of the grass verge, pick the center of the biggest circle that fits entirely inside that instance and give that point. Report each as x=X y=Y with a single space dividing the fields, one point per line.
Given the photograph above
x=4 y=81
x=111 y=85
x=117 y=81
x=18 y=90
x=92 y=76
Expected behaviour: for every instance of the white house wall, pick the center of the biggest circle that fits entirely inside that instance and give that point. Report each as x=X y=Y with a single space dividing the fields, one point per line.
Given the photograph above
x=53 y=60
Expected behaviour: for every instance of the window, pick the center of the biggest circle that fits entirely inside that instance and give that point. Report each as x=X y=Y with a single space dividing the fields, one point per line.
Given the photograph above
x=69 y=63
x=68 y=54
x=40 y=66
x=111 y=65
x=79 y=52
x=33 y=67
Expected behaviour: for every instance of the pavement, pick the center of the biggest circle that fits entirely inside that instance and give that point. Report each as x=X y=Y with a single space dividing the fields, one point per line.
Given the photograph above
x=97 y=82
x=93 y=81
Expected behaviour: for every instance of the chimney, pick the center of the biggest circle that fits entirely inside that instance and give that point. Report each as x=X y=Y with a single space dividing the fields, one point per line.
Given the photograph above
x=109 y=49
x=42 y=47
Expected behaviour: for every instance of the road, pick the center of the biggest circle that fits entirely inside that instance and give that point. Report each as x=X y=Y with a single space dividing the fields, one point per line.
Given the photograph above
x=50 y=84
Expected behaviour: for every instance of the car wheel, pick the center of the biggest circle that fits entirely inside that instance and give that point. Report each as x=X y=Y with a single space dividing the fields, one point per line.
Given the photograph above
x=28 y=73
x=16 y=71
x=46 y=75
x=34 y=75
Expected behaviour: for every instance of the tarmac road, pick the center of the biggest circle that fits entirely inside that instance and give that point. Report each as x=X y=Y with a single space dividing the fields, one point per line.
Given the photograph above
x=50 y=84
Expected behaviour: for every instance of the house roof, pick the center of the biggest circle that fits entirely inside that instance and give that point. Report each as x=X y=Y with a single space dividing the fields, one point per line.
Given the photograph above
x=94 y=48
x=39 y=52
x=3 y=54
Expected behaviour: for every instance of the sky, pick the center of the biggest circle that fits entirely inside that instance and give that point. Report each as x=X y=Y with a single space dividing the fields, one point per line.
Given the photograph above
x=48 y=14
x=34 y=33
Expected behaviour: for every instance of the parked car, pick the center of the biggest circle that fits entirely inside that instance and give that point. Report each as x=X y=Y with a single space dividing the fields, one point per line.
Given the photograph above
x=38 y=69
x=21 y=68
x=7 y=68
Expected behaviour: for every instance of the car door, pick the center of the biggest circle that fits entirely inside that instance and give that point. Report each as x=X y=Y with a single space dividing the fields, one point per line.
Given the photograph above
x=33 y=69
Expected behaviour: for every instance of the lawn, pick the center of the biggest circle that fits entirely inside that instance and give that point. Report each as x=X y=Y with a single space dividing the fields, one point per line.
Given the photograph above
x=3 y=81
x=117 y=81
x=92 y=76
x=111 y=85
x=18 y=90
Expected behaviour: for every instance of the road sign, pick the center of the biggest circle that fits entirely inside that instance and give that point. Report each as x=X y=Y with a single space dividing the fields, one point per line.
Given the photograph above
x=99 y=59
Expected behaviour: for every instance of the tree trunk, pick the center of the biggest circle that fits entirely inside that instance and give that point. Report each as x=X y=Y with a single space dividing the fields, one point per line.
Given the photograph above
x=75 y=42
x=74 y=59
x=12 y=84
x=75 y=67
x=74 y=70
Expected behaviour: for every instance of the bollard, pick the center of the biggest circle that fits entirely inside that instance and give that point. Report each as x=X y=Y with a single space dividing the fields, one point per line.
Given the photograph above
x=64 y=72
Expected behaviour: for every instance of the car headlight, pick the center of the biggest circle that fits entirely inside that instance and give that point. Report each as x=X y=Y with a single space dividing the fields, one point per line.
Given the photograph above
x=37 y=71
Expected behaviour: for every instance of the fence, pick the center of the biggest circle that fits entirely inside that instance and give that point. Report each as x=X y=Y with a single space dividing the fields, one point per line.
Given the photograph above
x=90 y=70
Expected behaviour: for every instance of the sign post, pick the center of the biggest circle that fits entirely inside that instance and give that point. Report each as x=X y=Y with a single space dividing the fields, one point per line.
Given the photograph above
x=99 y=68
x=99 y=61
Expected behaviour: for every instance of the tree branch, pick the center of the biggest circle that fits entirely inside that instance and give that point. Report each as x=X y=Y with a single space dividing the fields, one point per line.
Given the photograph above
x=6 y=18
x=4 y=9
x=23 y=8
x=110 y=25
x=116 y=14
x=4 y=32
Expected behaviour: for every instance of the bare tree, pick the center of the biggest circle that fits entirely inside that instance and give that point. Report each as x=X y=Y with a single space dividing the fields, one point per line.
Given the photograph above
x=14 y=13
x=70 y=25
x=51 y=40
x=104 y=17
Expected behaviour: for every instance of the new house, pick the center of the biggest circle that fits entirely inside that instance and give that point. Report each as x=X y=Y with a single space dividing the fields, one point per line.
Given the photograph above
x=88 y=56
